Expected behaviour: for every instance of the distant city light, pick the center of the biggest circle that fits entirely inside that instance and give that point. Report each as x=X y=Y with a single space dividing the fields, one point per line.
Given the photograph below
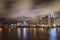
x=24 y=22
x=54 y=25
x=12 y=24
x=18 y=24
x=52 y=15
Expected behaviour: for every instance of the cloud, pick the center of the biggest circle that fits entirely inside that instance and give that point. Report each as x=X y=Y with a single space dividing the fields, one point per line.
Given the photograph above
x=26 y=8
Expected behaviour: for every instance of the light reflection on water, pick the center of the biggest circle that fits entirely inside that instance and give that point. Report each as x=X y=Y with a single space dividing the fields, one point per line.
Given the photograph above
x=24 y=33
x=52 y=34
x=19 y=32
x=33 y=34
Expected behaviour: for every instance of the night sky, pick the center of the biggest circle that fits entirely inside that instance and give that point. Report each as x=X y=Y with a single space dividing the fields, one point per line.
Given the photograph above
x=27 y=8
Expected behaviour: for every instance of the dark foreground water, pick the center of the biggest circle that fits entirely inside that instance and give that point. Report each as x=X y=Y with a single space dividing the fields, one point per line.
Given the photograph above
x=30 y=34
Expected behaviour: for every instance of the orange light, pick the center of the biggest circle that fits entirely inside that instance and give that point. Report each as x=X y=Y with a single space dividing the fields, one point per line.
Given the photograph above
x=0 y=29
x=41 y=25
x=9 y=29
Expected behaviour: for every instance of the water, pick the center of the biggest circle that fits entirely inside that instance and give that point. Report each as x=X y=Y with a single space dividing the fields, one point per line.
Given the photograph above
x=30 y=34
